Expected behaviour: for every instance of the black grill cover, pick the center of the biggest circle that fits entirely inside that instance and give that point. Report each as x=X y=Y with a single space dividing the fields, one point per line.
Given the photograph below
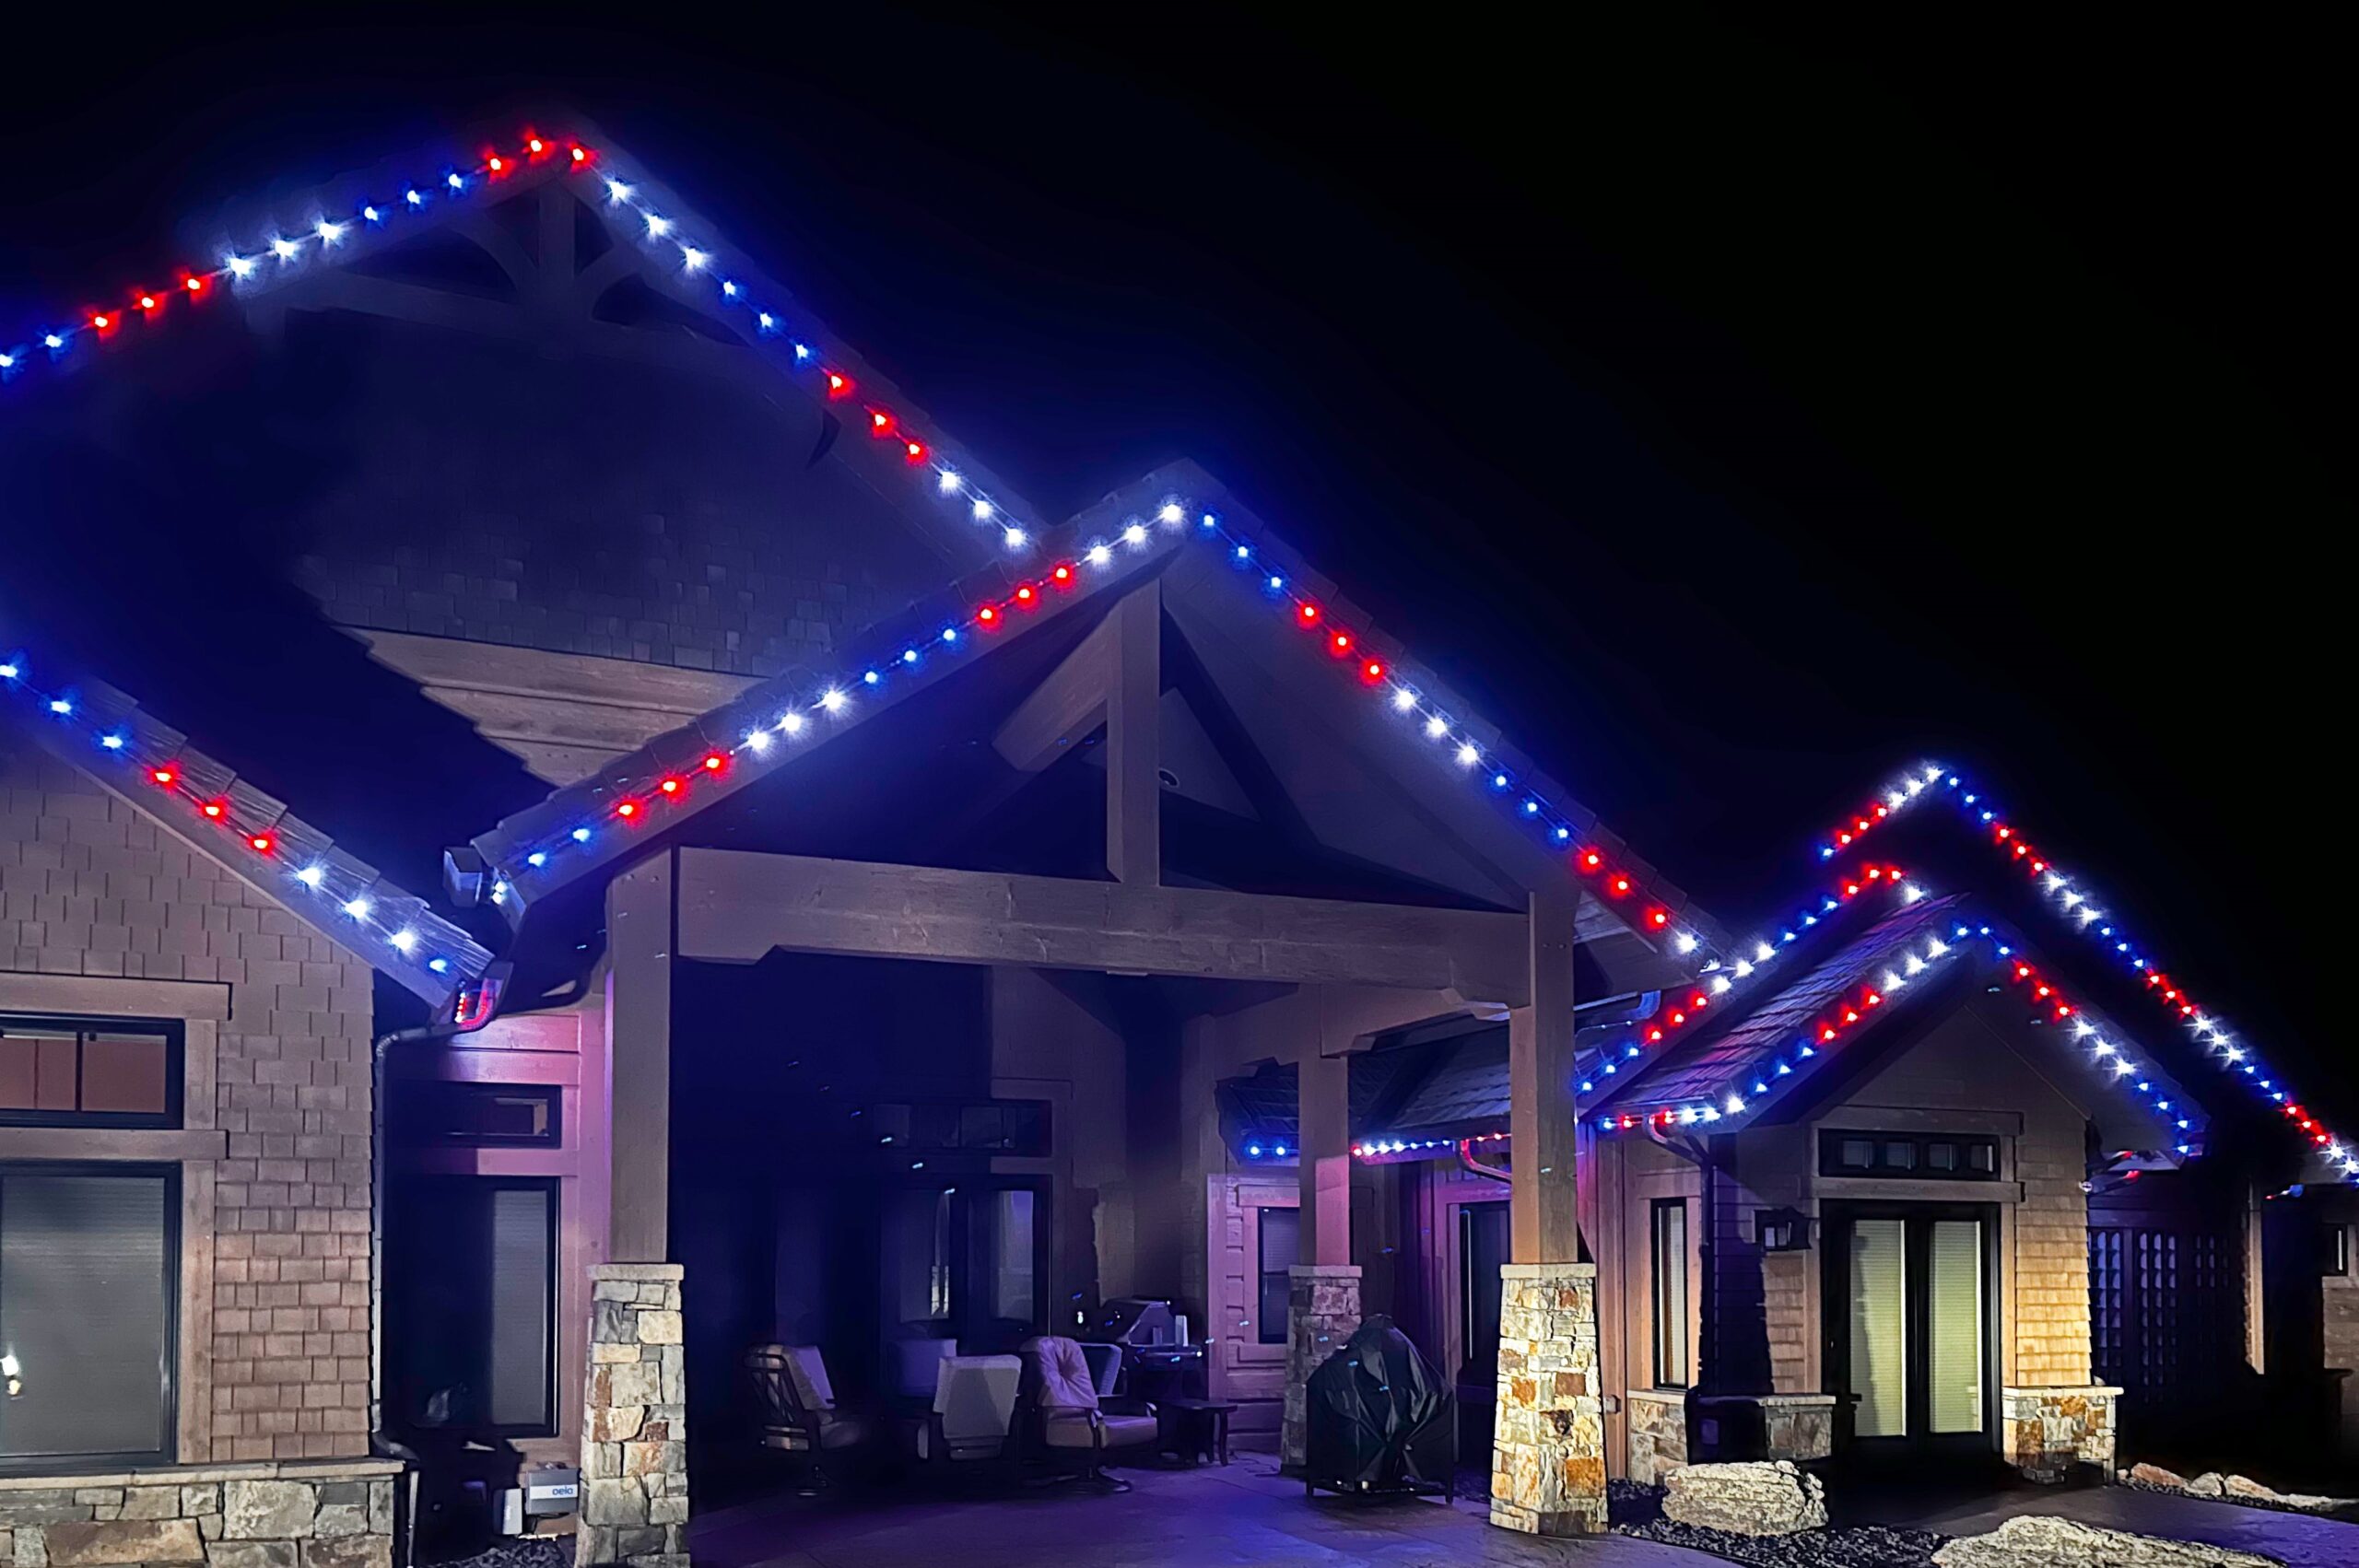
x=1378 y=1418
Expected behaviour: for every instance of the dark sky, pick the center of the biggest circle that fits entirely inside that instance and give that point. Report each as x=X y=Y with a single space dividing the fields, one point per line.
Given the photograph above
x=1738 y=413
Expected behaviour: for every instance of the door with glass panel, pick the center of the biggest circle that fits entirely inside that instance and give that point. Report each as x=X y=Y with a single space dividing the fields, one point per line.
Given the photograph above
x=1910 y=1323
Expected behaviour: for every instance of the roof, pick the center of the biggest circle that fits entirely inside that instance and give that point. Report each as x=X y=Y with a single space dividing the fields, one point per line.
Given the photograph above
x=107 y=735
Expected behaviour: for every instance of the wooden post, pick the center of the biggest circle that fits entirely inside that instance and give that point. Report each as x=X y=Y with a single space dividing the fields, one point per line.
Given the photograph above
x=1323 y=1101
x=1541 y=1219
x=638 y=1060
x=1133 y=757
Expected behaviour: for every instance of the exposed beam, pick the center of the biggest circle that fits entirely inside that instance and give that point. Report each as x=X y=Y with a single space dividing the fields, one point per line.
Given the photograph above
x=1065 y=707
x=1543 y=1225
x=736 y=905
x=1134 y=749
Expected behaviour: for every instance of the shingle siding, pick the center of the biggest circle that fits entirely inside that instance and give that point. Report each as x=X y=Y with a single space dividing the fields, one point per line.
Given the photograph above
x=90 y=885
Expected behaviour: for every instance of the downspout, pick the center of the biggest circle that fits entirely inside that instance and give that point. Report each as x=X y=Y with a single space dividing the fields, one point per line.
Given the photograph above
x=1473 y=1166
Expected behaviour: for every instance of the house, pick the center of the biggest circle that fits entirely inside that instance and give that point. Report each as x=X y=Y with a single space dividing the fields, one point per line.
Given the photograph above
x=870 y=914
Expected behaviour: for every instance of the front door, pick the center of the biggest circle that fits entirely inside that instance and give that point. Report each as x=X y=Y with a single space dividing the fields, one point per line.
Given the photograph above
x=1910 y=1325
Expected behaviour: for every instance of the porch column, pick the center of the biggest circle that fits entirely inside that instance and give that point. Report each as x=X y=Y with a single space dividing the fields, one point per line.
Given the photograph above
x=634 y=1423
x=1323 y=1286
x=1548 y=1458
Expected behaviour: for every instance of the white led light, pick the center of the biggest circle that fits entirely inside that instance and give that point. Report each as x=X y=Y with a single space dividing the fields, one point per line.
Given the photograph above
x=1735 y=1104
x=329 y=233
x=1910 y=893
x=618 y=192
x=791 y=724
x=1684 y=942
x=1467 y=756
x=1722 y=985
x=310 y=876
x=1403 y=699
x=1098 y=556
x=948 y=481
x=1744 y=968
x=284 y=249
x=1437 y=727
x=1764 y=952
x=833 y=701
x=659 y=227
x=1172 y=512
x=1135 y=534
x=1013 y=538
x=239 y=266
x=693 y=259
x=982 y=511
x=358 y=909
x=403 y=941
x=757 y=741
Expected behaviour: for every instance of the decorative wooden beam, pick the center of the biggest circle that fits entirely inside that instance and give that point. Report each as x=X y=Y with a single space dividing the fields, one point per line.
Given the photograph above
x=1134 y=750
x=1065 y=707
x=736 y=905
x=1543 y=1226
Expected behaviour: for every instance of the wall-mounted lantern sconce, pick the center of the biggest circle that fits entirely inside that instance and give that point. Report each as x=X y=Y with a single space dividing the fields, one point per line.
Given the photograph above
x=1781 y=1230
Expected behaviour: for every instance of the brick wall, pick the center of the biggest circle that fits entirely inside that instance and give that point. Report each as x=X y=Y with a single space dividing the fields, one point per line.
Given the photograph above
x=92 y=886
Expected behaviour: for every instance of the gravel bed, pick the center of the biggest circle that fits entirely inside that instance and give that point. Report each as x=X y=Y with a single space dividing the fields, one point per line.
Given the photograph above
x=542 y=1552
x=1638 y=1511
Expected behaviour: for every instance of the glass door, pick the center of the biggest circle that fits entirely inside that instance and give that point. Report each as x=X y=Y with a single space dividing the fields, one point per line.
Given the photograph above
x=965 y=1261
x=1908 y=1323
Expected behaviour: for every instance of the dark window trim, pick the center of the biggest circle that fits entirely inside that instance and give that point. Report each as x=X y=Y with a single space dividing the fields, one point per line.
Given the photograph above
x=1921 y=1166
x=1262 y=1272
x=1044 y=1109
x=1664 y=1331
x=1834 y=1286
x=416 y=1122
x=166 y=1449
x=175 y=1037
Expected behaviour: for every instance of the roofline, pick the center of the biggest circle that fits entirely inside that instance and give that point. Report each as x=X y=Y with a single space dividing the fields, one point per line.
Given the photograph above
x=104 y=734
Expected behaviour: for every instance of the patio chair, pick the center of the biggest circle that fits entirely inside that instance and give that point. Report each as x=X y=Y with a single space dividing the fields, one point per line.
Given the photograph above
x=1066 y=1419
x=798 y=1407
x=972 y=1422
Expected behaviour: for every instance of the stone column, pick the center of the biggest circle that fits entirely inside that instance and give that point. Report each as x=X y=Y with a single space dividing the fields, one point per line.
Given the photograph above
x=1548 y=1463
x=634 y=1420
x=1322 y=1311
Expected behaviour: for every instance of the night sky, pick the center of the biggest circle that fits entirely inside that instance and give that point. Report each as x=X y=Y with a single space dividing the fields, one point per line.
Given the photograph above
x=1737 y=415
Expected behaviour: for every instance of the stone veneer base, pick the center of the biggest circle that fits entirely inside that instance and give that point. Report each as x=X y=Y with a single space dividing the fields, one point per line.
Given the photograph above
x=273 y=1513
x=2050 y=1433
x=634 y=1420
x=1322 y=1311
x=1548 y=1453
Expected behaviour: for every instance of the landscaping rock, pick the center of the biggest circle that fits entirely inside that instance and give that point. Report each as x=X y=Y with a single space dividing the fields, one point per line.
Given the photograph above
x=2208 y=1484
x=1771 y=1498
x=2154 y=1475
x=2037 y=1540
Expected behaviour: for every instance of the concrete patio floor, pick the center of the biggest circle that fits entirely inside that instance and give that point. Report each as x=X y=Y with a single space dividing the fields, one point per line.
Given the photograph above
x=1213 y=1517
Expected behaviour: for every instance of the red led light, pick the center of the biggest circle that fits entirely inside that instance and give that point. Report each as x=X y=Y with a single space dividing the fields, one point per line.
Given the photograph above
x=1698 y=1001
x=1619 y=885
x=101 y=321
x=626 y=809
x=838 y=384
x=499 y=165
x=1658 y=919
x=1027 y=596
x=1827 y=1033
x=714 y=762
x=1307 y=613
x=1654 y=1036
x=262 y=842
x=1591 y=859
x=880 y=421
x=214 y=808
x=1372 y=671
x=1062 y=574
x=989 y=615
x=671 y=784
x=535 y=144
x=149 y=301
x=1339 y=644
x=194 y=284
x=913 y=451
x=163 y=775
x=581 y=154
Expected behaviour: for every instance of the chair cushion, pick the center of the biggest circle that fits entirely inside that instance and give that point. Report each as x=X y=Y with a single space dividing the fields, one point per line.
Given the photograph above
x=842 y=1431
x=976 y=1398
x=1063 y=1371
x=1072 y=1430
x=809 y=1371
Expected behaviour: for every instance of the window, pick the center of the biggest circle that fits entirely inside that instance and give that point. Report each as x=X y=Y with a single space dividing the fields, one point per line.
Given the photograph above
x=1670 y=1292
x=470 y=1345
x=1280 y=1248
x=480 y=1115
x=89 y=1073
x=982 y=1127
x=89 y=1264
x=1947 y=1156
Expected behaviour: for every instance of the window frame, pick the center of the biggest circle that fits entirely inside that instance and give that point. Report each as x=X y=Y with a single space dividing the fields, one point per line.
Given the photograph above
x=551 y=1381
x=174 y=1034
x=167 y=1360
x=1919 y=1146
x=1262 y=1272
x=1667 y=1333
